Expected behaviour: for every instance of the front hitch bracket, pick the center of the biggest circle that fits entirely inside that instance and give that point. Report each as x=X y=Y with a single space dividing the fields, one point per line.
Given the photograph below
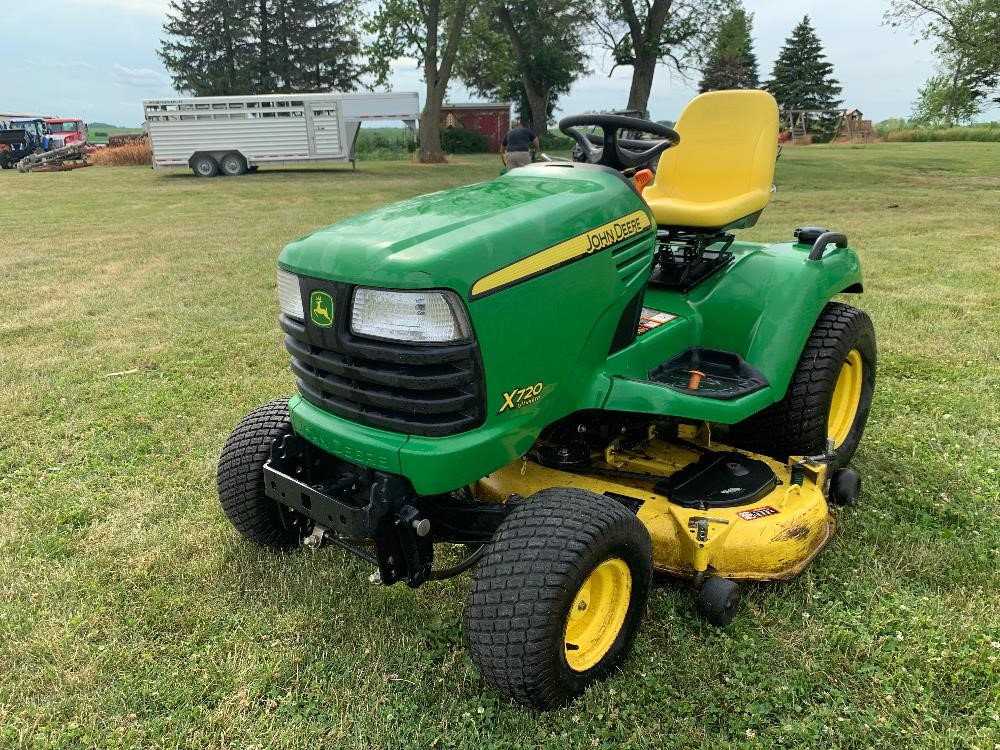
x=347 y=502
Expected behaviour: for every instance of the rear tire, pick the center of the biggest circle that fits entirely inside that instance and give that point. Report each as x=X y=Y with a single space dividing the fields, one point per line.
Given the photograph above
x=838 y=361
x=240 y=477
x=233 y=164
x=556 y=601
x=204 y=165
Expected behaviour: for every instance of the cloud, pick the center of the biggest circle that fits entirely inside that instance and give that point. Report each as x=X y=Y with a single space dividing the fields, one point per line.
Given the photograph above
x=138 y=77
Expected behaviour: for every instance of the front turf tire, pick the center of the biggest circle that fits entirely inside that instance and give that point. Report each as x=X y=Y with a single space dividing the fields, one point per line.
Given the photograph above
x=565 y=565
x=830 y=393
x=240 y=477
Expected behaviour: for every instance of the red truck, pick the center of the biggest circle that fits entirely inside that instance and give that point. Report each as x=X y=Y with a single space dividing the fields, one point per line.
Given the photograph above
x=67 y=131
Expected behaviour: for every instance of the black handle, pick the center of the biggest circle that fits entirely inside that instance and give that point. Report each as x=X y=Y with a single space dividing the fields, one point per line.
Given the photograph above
x=819 y=246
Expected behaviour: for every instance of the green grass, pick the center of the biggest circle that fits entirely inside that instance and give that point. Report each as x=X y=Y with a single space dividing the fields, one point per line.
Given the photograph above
x=139 y=325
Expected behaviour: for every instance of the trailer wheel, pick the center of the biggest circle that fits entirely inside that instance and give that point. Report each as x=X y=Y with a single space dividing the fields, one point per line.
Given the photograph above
x=233 y=164
x=204 y=165
x=240 y=478
x=558 y=598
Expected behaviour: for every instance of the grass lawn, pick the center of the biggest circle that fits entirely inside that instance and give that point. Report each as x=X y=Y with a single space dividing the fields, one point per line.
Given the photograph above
x=139 y=325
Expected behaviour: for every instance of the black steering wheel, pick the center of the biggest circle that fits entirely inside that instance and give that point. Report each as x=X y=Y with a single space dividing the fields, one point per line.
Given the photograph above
x=619 y=153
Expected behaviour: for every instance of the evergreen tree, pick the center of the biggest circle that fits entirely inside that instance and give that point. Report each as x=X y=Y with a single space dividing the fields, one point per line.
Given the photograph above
x=731 y=63
x=803 y=79
x=217 y=47
x=320 y=55
x=206 y=48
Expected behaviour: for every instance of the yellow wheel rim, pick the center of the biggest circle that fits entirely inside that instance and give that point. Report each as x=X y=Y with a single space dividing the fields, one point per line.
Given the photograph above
x=598 y=614
x=846 y=398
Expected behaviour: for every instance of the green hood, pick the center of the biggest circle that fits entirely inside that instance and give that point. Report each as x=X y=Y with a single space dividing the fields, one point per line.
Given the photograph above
x=452 y=238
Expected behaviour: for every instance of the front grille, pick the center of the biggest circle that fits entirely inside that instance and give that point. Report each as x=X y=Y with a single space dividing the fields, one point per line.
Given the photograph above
x=429 y=390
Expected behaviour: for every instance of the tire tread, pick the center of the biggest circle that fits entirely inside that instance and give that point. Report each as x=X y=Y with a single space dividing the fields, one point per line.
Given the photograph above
x=515 y=606
x=240 y=478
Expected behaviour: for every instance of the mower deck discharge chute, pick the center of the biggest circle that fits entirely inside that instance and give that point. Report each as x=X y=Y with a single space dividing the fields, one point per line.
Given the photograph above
x=582 y=382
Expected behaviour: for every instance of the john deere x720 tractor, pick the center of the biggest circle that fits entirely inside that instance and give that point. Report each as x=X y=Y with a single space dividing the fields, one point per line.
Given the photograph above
x=580 y=379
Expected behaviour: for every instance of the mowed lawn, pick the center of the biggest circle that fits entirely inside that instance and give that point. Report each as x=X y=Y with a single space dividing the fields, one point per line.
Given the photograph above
x=138 y=326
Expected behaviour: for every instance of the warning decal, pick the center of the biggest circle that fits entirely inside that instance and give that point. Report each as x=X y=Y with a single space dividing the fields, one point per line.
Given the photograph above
x=651 y=319
x=754 y=513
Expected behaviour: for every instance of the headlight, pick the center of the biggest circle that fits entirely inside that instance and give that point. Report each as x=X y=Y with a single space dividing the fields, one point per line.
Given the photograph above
x=288 y=295
x=429 y=317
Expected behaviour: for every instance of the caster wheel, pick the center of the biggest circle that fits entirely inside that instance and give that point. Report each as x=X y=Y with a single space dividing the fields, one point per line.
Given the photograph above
x=845 y=489
x=718 y=600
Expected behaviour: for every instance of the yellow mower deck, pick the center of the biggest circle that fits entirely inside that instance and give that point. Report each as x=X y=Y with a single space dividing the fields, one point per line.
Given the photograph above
x=773 y=538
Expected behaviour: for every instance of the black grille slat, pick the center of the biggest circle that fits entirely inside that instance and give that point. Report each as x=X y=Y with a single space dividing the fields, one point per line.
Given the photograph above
x=431 y=426
x=430 y=390
x=426 y=402
x=417 y=377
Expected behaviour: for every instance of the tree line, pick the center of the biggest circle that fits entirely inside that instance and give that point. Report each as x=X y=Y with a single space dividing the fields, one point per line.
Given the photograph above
x=526 y=51
x=966 y=37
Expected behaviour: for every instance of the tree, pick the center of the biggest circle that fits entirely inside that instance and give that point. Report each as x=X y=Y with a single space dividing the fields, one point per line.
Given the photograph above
x=803 y=79
x=731 y=63
x=323 y=52
x=530 y=51
x=205 y=48
x=218 y=47
x=641 y=35
x=429 y=30
x=966 y=36
x=948 y=97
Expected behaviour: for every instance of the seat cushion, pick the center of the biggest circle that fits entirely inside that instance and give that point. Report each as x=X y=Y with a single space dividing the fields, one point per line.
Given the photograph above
x=721 y=171
x=719 y=214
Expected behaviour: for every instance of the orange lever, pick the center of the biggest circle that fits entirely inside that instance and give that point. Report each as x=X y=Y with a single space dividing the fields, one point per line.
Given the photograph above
x=695 y=379
x=642 y=178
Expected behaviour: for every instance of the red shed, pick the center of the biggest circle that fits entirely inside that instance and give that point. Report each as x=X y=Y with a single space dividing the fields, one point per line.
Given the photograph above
x=492 y=120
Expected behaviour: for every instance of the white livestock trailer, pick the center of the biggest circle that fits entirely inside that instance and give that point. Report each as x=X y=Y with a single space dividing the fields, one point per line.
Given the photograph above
x=234 y=134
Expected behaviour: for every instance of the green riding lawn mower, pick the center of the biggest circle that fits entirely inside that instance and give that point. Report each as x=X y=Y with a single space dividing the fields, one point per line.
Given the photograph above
x=574 y=379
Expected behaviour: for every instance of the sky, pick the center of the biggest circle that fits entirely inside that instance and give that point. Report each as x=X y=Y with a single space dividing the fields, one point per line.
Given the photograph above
x=96 y=59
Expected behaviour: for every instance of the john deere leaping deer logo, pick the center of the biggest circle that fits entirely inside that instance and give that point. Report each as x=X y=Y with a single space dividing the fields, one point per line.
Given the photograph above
x=321 y=309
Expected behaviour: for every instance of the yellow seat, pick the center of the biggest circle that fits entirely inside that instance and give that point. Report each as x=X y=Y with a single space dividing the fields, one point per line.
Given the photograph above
x=719 y=176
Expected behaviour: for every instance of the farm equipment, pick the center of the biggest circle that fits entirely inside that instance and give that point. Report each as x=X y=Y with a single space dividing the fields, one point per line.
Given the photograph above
x=67 y=131
x=582 y=381
x=23 y=136
x=58 y=160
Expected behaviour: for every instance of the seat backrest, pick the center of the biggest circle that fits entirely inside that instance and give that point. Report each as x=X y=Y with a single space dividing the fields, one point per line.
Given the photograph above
x=729 y=143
